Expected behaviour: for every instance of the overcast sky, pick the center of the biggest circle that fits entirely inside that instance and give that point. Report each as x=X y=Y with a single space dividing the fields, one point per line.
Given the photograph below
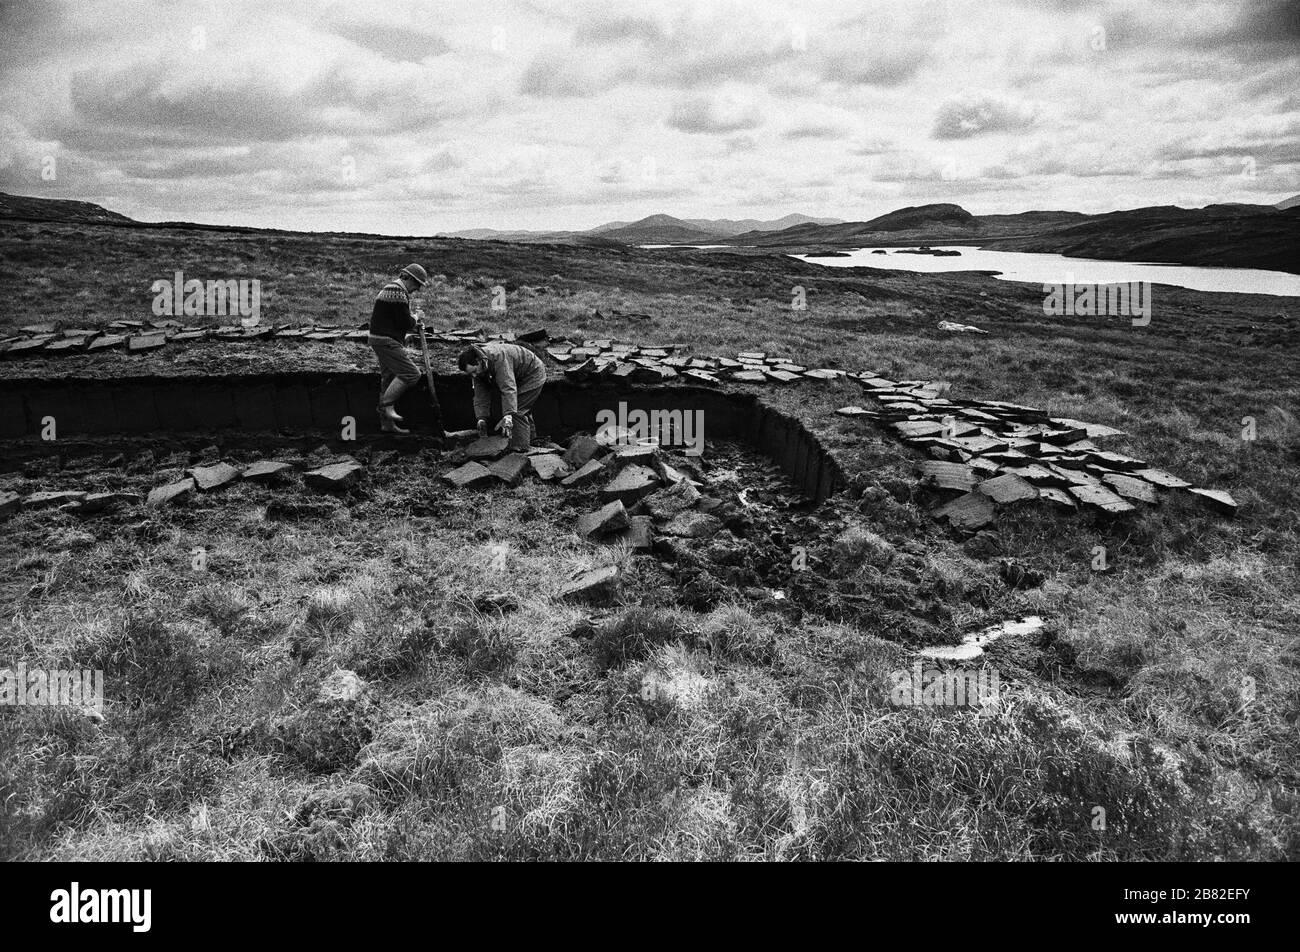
x=407 y=117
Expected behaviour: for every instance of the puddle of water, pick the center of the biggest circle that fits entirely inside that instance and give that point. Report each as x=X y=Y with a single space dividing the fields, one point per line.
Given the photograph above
x=972 y=646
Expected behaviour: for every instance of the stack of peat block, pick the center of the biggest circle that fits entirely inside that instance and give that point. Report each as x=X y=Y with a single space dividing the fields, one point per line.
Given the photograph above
x=143 y=337
x=619 y=361
x=987 y=454
x=589 y=359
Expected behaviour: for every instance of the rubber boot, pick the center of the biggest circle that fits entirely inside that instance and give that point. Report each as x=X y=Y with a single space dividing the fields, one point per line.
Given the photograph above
x=388 y=399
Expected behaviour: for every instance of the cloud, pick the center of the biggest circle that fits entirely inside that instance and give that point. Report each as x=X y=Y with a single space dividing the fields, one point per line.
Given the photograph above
x=23 y=22
x=691 y=46
x=914 y=167
x=556 y=74
x=257 y=102
x=402 y=45
x=966 y=117
x=884 y=46
x=1261 y=30
x=618 y=29
x=240 y=162
x=822 y=122
x=1255 y=31
x=542 y=113
x=874 y=145
x=812 y=131
x=23 y=157
x=1274 y=140
x=883 y=65
x=714 y=115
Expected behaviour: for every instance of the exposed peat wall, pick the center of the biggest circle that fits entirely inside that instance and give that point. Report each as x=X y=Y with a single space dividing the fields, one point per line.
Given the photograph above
x=149 y=406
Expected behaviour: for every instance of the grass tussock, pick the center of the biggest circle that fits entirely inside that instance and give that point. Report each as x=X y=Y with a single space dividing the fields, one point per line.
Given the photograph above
x=388 y=675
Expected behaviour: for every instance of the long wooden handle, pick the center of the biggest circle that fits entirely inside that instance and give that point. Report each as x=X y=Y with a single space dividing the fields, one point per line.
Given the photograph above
x=428 y=368
x=428 y=376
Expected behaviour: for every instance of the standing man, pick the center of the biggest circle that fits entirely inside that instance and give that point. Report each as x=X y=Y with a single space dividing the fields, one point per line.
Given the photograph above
x=390 y=322
x=517 y=374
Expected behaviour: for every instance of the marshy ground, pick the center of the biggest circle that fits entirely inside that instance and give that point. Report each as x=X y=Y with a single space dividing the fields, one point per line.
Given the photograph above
x=704 y=717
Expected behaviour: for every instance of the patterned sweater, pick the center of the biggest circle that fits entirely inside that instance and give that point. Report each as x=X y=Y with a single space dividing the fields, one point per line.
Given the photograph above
x=392 y=314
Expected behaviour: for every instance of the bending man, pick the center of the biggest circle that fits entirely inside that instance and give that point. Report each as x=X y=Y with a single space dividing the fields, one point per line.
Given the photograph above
x=514 y=372
x=390 y=322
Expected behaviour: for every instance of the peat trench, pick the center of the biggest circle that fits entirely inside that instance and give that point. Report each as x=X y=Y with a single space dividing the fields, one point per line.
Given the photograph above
x=731 y=528
x=320 y=402
x=174 y=440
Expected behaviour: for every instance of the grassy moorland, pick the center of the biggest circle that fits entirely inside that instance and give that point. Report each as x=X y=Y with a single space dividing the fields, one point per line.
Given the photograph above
x=702 y=718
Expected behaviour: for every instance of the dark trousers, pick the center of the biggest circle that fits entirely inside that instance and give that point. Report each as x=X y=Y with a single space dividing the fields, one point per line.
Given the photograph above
x=522 y=435
x=394 y=364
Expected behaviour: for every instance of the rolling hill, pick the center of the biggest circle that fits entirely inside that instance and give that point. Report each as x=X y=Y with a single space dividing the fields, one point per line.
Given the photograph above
x=660 y=229
x=1225 y=235
x=665 y=229
x=729 y=226
x=32 y=208
x=1235 y=236
x=1232 y=235
x=950 y=220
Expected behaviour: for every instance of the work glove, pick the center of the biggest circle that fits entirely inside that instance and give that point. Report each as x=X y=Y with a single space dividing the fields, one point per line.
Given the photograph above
x=482 y=427
x=506 y=426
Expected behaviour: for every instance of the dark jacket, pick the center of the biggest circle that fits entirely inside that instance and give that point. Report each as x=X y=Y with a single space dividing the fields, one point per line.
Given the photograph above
x=392 y=314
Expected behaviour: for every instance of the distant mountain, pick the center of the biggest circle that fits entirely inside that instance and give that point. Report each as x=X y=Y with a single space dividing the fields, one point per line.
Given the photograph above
x=57 y=209
x=492 y=234
x=729 y=226
x=916 y=216
x=1030 y=222
x=942 y=219
x=1226 y=235
x=481 y=233
x=660 y=228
